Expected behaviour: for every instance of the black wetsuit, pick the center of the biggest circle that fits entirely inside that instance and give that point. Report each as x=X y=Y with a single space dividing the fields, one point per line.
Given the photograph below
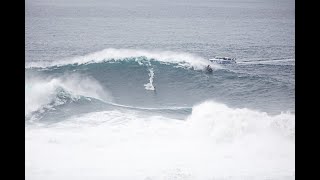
x=209 y=69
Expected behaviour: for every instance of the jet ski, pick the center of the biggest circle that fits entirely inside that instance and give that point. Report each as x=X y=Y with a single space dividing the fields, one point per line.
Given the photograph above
x=223 y=60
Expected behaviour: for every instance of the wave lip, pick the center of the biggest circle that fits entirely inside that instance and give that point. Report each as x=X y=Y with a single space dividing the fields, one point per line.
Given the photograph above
x=54 y=91
x=182 y=59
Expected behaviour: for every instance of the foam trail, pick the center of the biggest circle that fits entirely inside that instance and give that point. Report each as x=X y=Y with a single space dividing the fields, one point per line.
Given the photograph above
x=268 y=61
x=182 y=59
x=150 y=108
x=150 y=86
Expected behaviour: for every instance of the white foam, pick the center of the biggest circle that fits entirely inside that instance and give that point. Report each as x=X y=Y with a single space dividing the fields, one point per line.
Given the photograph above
x=181 y=58
x=41 y=91
x=150 y=86
x=214 y=142
x=224 y=123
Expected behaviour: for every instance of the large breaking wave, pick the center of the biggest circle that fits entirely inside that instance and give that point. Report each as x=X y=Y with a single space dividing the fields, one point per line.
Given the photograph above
x=136 y=114
x=181 y=59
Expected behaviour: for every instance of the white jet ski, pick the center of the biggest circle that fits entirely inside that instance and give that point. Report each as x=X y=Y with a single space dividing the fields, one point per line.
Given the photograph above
x=223 y=60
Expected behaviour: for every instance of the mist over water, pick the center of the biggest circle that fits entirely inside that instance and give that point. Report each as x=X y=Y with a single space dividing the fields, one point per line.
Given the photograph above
x=119 y=90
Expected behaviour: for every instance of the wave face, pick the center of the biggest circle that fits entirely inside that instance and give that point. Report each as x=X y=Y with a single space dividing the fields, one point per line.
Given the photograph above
x=138 y=114
x=131 y=79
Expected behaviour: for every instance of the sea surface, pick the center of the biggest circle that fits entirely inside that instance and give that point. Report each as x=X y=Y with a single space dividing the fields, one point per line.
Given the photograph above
x=117 y=89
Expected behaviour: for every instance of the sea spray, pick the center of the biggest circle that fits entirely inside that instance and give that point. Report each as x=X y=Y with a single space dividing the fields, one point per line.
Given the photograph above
x=41 y=91
x=150 y=86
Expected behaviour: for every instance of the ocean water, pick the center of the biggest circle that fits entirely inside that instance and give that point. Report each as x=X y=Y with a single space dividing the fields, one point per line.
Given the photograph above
x=117 y=89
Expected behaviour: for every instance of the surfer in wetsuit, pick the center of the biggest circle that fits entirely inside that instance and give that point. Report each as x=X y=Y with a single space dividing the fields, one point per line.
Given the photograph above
x=209 y=69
